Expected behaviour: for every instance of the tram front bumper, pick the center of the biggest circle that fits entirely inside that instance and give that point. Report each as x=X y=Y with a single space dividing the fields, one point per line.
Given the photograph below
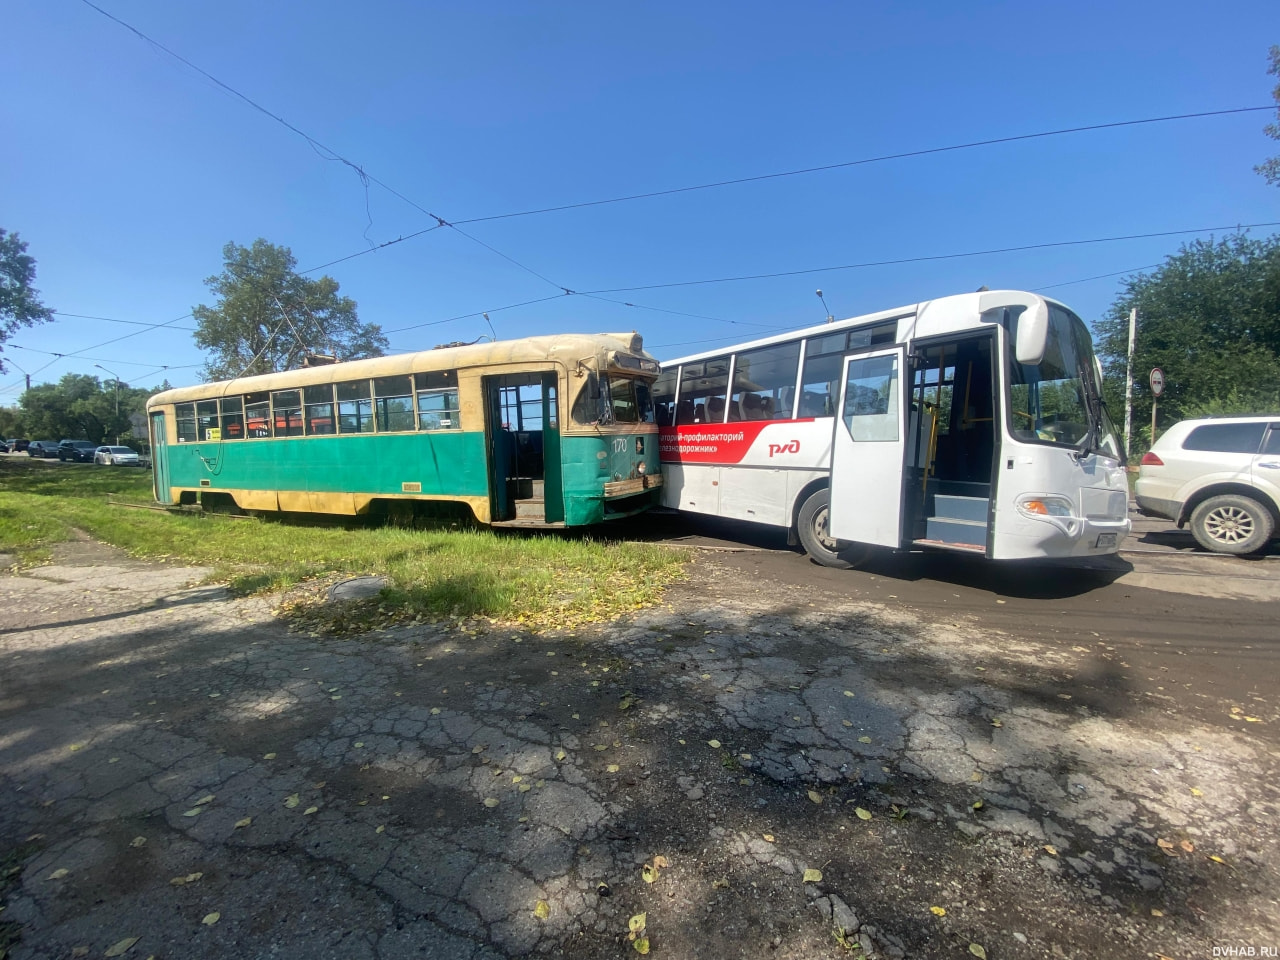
x=629 y=488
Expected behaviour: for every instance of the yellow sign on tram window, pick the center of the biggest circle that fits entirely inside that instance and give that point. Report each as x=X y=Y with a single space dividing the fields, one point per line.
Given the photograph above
x=213 y=433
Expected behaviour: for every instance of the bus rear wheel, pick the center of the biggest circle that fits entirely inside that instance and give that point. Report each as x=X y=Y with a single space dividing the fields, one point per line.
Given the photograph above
x=812 y=524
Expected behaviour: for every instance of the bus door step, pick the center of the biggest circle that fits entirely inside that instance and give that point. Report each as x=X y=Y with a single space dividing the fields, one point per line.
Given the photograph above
x=958 y=520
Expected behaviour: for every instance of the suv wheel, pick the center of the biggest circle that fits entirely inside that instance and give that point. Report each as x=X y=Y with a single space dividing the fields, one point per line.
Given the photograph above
x=1231 y=524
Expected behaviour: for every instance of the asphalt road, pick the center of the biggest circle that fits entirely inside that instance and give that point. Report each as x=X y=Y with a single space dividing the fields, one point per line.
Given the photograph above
x=1168 y=626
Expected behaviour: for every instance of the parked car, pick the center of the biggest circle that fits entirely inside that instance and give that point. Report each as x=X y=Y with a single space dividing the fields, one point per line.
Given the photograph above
x=1222 y=476
x=16 y=445
x=42 y=448
x=116 y=456
x=79 y=451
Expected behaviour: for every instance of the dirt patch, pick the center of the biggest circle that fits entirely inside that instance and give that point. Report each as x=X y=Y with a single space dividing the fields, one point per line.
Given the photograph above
x=468 y=790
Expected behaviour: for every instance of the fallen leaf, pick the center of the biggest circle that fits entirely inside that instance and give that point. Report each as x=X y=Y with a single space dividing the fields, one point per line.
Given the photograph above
x=243 y=823
x=938 y=911
x=268 y=756
x=848 y=693
x=1157 y=913
x=721 y=884
x=1216 y=859
x=864 y=739
x=1196 y=793
x=862 y=812
x=194 y=812
x=977 y=805
x=815 y=796
x=183 y=881
x=976 y=948
x=211 y=918
x=206 y=799
x=435 y=711
x=997 y=722
x=491 y=802
x=292 y=800
x=1167 y=847
x=713 y=744
x=119 y=949
x=79 y=951
x=138 y=842
x=660 y=862
x=517 y=778
x=636 y=923
x=524 y=788
x=812 y=876
x=309 y=811
x=1050 y=849
x=642 y=945
x=542 y=909
x=611 y=768
x=976 y=776
x=561 y=756
x=648 y=874
x=846 y=723
x=768 y=838
x=58 y=874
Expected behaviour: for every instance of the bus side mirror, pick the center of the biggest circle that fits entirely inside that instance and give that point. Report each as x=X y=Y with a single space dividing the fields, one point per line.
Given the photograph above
x=1033 y=332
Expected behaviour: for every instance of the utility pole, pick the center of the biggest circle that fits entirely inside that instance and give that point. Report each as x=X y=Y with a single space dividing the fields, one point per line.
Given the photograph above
x=117 y=381
x=1128 y=382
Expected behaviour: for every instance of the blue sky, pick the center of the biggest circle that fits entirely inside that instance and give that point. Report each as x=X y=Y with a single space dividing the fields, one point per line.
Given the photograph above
x=126 y=171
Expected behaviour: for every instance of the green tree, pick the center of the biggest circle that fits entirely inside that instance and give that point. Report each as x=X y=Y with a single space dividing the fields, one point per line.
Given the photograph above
x=11 y=424
x=1209 y=317
x=1271 y=168
x=81 y=407
x=268 y=317
x=20 y=304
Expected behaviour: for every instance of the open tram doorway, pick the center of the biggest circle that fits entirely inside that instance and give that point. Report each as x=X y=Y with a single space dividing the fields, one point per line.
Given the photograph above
x=952 y=444
x=523 y=424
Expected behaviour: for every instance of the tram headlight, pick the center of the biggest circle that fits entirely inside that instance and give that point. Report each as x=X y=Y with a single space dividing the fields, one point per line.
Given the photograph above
x=1045 y=506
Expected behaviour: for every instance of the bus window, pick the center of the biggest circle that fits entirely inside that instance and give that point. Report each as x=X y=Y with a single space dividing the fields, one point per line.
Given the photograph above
x=207 y=420
x=232 y=418
x=664 y=399
x=184 y=416
x=286 y=405
x=355 y=408
x=318 y=403
x=393 y=403
x=764 y=381
x=819 y=383
x=257 y=415
x=705 y=384
x=438 y=400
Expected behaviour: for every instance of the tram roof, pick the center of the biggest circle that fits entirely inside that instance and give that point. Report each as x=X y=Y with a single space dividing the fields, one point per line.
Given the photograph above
x=566 y=348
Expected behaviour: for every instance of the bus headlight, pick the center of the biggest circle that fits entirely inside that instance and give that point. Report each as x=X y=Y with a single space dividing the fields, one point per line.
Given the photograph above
x=1034 y=506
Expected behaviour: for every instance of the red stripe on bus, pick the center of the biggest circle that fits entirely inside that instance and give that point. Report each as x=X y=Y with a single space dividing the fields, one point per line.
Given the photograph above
x=714 y=442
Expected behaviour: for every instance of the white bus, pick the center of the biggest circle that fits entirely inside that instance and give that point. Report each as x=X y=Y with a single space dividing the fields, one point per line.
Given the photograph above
x=971 y=423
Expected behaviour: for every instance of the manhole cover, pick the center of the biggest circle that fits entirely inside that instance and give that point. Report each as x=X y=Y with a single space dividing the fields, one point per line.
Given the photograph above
x=357 y=588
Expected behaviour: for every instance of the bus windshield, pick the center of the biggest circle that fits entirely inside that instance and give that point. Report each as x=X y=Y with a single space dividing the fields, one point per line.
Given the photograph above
x=1059 y=400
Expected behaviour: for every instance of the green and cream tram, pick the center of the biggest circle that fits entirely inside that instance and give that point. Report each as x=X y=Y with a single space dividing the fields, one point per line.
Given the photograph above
x=551 y=431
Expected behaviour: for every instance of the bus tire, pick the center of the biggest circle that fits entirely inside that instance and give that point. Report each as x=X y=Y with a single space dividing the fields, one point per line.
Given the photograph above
x=811 y=525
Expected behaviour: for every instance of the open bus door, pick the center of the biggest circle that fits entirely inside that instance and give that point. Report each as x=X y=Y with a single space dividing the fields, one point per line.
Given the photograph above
x=869 y=450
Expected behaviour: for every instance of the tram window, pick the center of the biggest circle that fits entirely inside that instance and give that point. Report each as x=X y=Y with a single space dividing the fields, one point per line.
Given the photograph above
x=318 y=404
x=355 y=408
x=257 y=415
x=664 y=398
x=393 y=401
x=437 y=400
x=286 y=406
x=184 y=416
x=232 y=418
x=764 y=381
x=207 y=420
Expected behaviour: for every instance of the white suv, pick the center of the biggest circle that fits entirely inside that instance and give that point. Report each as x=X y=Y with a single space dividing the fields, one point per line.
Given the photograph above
x=1222 y=475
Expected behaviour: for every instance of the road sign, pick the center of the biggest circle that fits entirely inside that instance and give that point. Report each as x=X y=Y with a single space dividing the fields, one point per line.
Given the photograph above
x=1157 y=382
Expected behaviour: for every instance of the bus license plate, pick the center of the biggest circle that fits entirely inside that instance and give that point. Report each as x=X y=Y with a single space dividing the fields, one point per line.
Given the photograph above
x=1105 y=541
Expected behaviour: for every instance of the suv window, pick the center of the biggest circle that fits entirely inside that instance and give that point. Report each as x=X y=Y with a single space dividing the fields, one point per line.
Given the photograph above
x=1273 y=440
x=1226 y=437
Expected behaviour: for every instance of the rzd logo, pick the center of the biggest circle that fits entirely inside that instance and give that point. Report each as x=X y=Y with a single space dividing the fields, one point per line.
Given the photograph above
x=792 y=447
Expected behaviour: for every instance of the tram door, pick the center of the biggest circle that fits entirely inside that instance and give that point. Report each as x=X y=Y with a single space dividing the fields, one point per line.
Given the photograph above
x=160 y=458
x=522 y=410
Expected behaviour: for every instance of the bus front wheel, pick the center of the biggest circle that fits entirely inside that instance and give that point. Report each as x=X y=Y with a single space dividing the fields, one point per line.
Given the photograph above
x=812 y=524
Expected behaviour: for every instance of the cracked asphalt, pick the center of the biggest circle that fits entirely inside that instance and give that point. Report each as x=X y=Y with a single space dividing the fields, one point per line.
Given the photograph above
x=178 y=767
